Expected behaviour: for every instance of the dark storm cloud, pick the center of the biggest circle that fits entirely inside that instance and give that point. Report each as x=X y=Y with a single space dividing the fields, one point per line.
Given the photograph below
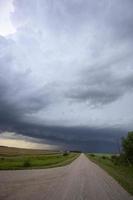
x=13 y=112
x=64 y=53
x=111 y=22
x=73 y=138
x=81 y=138
x=101 y=87
x=17 y=97
x=120 y=19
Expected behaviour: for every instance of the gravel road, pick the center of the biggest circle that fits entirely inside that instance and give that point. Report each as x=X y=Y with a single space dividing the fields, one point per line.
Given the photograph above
x=81 y=180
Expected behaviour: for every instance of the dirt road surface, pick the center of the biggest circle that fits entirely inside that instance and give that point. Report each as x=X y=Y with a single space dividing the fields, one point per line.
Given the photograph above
x=81 y=180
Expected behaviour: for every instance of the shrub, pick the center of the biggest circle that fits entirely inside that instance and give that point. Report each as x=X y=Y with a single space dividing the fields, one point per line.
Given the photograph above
x=65 y=153
x=92 y=155
x=113 y=157
x=26 y=163
x=118 y=160
x=104 y=157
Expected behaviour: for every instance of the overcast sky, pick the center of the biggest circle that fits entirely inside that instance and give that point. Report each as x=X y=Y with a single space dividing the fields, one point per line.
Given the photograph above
x=66 y=70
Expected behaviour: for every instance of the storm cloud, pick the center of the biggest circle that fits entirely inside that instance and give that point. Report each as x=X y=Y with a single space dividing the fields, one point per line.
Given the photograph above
x=101 y=87
x=66 y=71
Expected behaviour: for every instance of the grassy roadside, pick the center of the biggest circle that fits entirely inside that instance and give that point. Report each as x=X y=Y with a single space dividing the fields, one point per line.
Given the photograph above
x=122 y=173
x=15 y=158
x=36 y=161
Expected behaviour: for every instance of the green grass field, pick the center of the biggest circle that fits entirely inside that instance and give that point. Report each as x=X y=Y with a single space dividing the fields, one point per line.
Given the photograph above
x=122 y=173
x=14 y=158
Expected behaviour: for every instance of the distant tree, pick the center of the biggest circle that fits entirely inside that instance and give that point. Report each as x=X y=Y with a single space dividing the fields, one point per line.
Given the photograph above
x=127 y=145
